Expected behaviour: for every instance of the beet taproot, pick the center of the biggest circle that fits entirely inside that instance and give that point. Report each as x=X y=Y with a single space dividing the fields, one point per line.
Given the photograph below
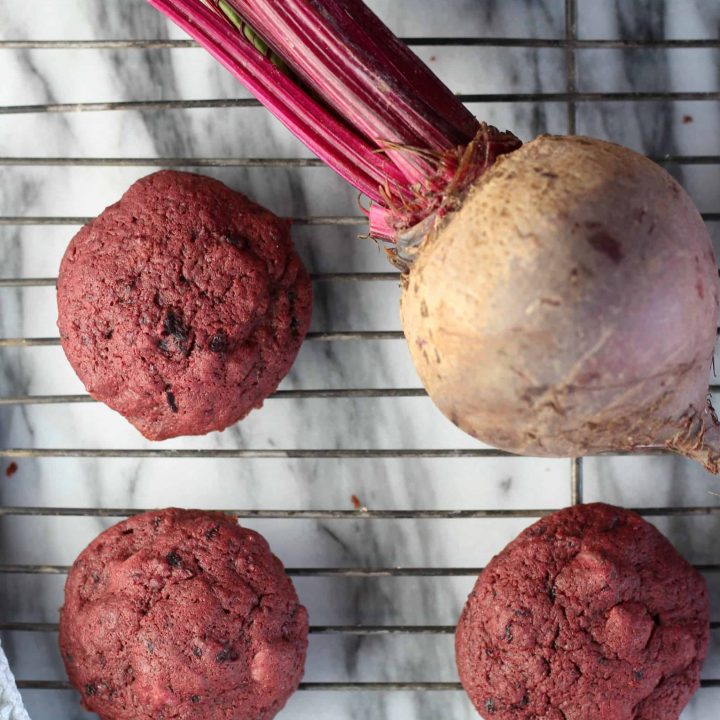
x=569 y=307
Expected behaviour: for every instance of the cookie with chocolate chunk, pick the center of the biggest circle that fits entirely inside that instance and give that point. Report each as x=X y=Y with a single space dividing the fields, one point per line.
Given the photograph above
x=590 y=614
x=182 y=614
x=183 y=305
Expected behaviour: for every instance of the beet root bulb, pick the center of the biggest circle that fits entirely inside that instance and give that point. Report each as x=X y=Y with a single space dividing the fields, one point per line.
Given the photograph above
x=569 y=307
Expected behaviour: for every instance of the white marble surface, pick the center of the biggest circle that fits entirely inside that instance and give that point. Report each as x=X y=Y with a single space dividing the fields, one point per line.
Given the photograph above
x=39 y=76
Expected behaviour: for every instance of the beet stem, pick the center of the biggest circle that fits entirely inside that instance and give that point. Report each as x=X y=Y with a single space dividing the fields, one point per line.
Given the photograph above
x=260 y=45
x=331 y=140
x=347 y=55
x=356 y=95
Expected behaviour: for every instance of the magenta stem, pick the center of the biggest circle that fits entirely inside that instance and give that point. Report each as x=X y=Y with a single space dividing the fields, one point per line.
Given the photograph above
x=356 y=96
x=368 y=76
x=352 y=157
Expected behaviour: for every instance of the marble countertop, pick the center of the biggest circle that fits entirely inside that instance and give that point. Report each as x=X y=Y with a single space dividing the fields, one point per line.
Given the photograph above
x=129 y=139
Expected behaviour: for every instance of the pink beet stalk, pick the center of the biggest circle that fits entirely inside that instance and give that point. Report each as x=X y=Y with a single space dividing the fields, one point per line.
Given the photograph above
x=338 y=78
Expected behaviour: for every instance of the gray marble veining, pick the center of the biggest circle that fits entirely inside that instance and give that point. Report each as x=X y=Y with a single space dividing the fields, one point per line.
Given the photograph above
x=40 y=76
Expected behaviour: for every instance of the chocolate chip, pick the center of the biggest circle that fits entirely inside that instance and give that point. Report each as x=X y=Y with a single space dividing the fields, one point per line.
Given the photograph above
x=236 y=240
x=150 y=646
x=173 y=559
x=490 y=706
x=295 y=327
x=176 y=329
x=212 y=532
x=173 y=325
x=226 y=655
x=219 y=342
x=639 y=675
x=524 y=702
x=170 y=397
x=197 y=652
x=95 y=577
x=108 y=334
x=507 y=633
x=195 y=698
x=90 y=689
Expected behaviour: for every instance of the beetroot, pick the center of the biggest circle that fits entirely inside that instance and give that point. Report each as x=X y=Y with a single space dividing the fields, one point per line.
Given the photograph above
x=569 y=307
x=559 y=299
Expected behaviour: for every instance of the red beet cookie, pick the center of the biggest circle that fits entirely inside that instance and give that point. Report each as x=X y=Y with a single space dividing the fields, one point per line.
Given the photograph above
x=182 y=614
x=590 y=614
x=183 y=305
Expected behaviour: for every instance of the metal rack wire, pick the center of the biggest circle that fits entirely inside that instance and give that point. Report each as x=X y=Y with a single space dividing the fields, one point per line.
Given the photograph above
x=571 y=97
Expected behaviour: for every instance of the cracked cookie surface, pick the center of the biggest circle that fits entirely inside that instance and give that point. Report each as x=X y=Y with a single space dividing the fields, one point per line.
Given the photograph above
x=183 y=305
x=590 y=614
x=182 y=614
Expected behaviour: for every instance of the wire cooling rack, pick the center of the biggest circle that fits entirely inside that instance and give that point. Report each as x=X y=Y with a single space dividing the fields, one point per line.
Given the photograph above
x=571 y=97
